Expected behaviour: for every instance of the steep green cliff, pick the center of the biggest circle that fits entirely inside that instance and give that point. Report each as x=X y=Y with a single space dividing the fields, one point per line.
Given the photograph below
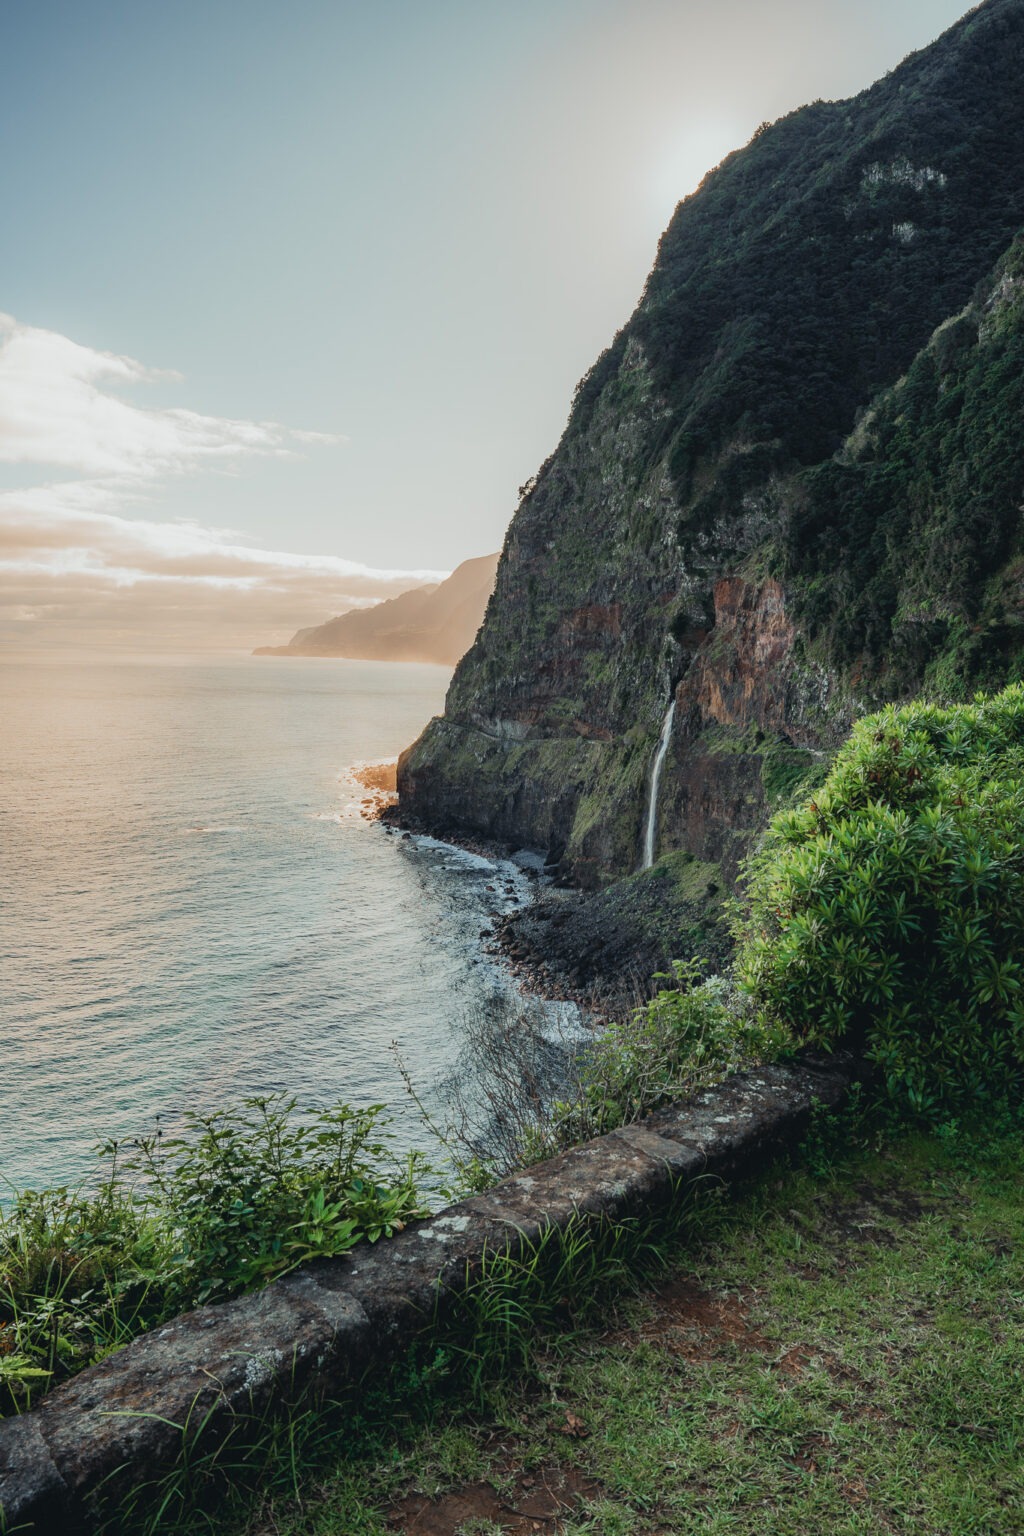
x=791 y=486
x=903 y=553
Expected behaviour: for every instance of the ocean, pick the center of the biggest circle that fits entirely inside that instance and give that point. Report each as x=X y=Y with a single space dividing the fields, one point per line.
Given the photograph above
x=194 y=909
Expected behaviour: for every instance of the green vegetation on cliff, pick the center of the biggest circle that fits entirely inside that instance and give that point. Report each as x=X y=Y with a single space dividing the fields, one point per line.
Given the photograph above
x=905 y=553
x=884 y=911
x=810 y=267
x=792 y=486
x=242 y=1196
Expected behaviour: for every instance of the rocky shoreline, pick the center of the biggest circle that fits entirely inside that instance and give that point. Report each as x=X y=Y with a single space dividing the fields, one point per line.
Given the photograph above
x=598 y=949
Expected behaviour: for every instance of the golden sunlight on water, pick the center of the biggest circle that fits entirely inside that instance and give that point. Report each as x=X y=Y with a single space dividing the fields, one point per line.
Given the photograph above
x=194 y=909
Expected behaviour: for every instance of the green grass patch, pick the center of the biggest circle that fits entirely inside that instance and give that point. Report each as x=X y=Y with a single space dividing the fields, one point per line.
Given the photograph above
x=836 y=1350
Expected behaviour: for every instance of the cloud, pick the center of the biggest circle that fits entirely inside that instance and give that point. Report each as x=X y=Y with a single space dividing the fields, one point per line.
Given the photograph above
x=72 y=557
x=55 y=410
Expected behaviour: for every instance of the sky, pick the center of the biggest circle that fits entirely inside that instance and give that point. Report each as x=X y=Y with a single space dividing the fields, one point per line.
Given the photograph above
x=293 y=298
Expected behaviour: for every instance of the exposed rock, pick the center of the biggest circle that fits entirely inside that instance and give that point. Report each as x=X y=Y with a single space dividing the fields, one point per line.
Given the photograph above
x=603 y=948
x=667 y=546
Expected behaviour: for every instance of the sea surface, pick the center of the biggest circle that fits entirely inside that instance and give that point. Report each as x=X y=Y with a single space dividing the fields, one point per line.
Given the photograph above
x=194 y=909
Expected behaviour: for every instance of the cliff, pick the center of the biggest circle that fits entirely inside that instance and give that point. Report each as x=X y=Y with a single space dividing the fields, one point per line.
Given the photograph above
x=429 y=623
x=790 y=487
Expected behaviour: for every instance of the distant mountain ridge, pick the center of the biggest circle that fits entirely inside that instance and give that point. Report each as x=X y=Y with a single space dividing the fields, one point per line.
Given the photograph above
x=435 y=623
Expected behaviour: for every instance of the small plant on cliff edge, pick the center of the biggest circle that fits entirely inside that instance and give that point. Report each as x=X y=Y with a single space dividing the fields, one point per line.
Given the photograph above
x=250 y=1193
x=690 y=1034
x=889 y=910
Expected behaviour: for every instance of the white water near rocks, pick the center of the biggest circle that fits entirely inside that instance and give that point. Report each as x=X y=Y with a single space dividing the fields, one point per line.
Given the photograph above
x=193 y=909
x=652 y=803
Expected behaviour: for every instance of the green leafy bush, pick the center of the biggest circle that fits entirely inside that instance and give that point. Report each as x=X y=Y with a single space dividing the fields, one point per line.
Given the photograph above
x=243 y=1196
x=249 y=1194
x=889 y=909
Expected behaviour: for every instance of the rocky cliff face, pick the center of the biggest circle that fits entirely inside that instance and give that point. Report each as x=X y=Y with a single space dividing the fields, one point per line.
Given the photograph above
x=677 y=543
x=742 y=713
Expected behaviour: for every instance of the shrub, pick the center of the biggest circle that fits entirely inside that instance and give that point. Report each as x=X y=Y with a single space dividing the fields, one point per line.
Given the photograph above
x=241 y=1197
x=527 y=1091
x=889 y=910
x=689 y=1035
x=249 y=1194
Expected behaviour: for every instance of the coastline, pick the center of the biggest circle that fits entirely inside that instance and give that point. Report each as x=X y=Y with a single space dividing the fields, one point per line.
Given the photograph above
x=596 y=995
x=600 y=950
x=515 y=882
x=504 y=941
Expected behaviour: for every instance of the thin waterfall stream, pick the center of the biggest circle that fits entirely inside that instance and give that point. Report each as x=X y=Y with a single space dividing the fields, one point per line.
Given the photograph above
x=652 y=803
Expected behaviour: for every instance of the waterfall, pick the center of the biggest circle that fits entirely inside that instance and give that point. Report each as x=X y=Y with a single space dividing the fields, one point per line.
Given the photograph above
x=652 y=803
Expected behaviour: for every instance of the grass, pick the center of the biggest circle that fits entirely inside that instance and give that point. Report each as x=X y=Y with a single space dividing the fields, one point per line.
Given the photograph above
x=839 y=1350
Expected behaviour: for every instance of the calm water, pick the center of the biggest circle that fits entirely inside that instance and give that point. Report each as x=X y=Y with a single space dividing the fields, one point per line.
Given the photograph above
x=192 y=908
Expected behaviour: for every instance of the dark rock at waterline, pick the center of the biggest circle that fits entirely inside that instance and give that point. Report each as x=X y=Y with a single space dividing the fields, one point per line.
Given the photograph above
x=608 y=945
x=599 y=946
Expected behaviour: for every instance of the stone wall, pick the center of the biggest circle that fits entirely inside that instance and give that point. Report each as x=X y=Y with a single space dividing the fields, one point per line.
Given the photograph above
x=123 y=1421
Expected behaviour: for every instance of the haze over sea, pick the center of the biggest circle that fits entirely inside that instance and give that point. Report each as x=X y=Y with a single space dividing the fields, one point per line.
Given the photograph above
x=194 y=909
